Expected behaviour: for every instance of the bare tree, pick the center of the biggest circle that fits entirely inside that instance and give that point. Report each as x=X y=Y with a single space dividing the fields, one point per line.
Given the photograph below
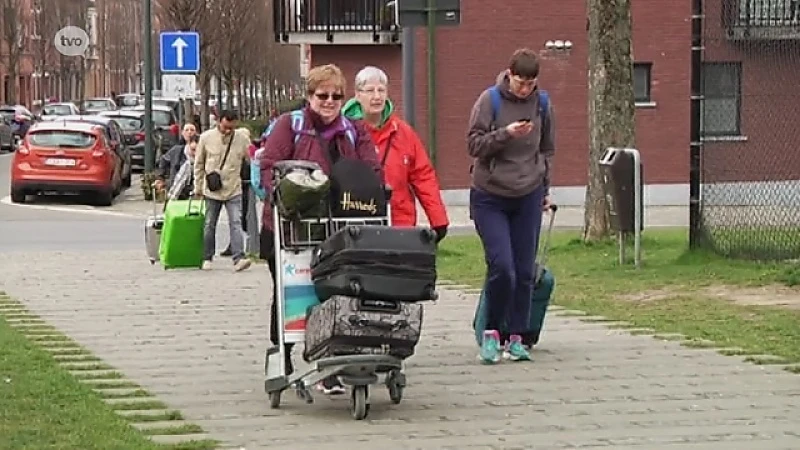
x=14 y=38
x=611 y=100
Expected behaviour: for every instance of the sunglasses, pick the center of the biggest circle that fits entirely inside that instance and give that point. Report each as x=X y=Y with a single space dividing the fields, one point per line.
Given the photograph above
x=328 y=96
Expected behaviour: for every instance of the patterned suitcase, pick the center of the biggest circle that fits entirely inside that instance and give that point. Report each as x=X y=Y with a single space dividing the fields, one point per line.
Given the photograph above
x=354 y=326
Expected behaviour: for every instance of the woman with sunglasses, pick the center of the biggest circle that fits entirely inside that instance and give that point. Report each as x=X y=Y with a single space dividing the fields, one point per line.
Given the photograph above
x=325 y=136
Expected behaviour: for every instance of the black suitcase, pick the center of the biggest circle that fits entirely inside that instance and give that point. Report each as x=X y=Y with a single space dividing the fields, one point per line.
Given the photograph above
x=376 y=262
x=356 y=326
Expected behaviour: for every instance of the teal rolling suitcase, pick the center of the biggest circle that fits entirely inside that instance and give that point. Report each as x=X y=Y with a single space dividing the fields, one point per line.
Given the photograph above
x=544 y=284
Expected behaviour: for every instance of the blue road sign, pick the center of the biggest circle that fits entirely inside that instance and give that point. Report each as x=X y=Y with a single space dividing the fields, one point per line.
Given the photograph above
x=180 y=51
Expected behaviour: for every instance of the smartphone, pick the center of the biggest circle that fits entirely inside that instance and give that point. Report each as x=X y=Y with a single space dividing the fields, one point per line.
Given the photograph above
x=525 y=120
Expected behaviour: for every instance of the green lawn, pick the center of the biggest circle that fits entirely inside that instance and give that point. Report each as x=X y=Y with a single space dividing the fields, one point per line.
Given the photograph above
x=42 y=406
x=590 y=279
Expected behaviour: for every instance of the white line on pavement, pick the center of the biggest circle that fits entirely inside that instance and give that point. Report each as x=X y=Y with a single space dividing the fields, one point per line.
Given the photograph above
x=85 y=210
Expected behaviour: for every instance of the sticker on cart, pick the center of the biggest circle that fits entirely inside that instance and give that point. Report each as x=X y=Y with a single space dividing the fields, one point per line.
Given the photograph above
x=298 y=290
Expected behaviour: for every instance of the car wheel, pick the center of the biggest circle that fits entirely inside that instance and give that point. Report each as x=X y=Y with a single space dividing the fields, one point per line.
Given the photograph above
x=18 y=196
x=104 y=198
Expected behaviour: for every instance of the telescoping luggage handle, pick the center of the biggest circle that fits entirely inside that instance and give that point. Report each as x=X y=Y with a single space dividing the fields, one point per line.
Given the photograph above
x=542 y=257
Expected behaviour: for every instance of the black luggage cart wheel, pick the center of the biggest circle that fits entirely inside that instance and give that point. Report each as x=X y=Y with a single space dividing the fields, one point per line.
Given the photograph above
x=358 y=402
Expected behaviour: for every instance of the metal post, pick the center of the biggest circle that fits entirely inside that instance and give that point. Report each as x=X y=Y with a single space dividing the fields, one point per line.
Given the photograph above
x=432 y=81
x=409 y=95
x=695 y=138
x=149 y=154
x=637 y=207
x=253 y=230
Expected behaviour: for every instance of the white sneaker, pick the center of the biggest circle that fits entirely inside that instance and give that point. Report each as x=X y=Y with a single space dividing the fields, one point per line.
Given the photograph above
x=243 y=264
x=206 y=265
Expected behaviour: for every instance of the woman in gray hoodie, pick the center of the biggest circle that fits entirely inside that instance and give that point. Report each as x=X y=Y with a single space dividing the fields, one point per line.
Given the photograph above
x=512 y=140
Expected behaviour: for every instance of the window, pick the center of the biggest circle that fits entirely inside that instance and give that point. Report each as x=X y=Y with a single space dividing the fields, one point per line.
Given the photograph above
x=721 y=106
x=641 y=82
x=61 y=139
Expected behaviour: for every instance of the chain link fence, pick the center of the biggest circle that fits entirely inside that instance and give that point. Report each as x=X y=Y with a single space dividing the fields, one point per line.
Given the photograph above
x=750 y=129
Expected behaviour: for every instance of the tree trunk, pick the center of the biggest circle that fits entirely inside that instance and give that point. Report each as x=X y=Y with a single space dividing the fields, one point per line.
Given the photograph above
x=611 y=101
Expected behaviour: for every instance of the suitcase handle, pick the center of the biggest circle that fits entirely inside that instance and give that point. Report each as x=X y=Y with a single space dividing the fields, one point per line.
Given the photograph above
x=383 y=325
x=542 y=256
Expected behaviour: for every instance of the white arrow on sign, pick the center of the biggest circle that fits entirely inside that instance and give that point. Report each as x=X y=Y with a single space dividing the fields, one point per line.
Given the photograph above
x=179 y=45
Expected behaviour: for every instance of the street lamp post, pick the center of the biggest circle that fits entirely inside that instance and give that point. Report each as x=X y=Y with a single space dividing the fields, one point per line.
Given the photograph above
x=149 y=153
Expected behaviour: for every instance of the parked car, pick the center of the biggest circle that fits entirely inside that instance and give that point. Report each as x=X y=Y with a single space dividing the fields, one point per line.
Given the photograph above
x=165 y=123
x=7 y=139
x=116 y=137
x=132 y=125
x=54 y=110
x=128 y=100
x=96 y=105
x=65 y=156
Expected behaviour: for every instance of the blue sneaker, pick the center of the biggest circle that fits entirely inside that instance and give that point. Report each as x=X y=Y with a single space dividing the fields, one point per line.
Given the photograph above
x=490 y=347
x=514 y=349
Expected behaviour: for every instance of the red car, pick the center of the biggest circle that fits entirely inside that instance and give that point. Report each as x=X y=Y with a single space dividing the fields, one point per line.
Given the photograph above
x=67 y=157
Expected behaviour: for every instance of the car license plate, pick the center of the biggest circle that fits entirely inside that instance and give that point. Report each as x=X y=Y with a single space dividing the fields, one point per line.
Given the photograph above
x=60 y=162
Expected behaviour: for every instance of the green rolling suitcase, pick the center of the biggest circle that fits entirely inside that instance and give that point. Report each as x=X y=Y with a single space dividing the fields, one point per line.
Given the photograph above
x=544 y=284
x=182 y=234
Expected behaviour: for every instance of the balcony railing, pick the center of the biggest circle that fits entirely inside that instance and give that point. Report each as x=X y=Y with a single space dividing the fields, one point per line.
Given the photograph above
x=762 y=19
x=334 y=20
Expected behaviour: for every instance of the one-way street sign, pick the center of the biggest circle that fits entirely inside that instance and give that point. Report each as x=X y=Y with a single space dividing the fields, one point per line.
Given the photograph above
x=180 y=51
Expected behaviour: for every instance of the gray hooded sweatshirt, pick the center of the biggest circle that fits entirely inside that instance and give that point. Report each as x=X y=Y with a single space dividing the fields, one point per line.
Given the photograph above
x=504 y=165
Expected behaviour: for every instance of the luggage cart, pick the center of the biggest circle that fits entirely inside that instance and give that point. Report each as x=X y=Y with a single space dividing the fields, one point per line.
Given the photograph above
x=295 y=241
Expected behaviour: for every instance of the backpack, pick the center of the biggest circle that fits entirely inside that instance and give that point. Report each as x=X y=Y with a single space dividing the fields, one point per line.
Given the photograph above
x=544 y=102
x=298 y=120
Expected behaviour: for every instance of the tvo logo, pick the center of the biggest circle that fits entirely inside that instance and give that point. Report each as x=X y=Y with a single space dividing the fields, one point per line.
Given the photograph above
x=71 y=41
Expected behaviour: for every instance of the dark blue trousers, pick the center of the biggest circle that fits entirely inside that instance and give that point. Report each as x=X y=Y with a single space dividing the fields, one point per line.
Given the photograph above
x=509 y=230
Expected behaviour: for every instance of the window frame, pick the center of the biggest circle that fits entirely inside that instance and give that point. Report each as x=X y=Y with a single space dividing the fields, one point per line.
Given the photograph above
x=648 y=67
x=736 y=130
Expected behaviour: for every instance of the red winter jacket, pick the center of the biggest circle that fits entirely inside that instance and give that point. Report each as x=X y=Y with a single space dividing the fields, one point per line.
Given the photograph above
x=408 y=171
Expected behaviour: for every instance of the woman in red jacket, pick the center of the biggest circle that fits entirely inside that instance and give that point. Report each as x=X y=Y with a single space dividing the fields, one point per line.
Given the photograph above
x=407 y=169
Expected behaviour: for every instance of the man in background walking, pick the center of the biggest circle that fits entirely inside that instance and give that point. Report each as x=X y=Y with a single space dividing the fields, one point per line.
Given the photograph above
x=217 y=174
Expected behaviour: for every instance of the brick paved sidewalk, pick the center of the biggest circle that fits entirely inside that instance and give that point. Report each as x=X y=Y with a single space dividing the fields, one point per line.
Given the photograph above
x=196 y=340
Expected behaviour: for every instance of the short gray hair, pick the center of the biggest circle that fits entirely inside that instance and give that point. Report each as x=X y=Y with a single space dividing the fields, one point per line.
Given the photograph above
x=371 y=74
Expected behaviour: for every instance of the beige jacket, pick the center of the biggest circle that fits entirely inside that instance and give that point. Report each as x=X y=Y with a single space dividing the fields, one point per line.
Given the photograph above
x=208 y=158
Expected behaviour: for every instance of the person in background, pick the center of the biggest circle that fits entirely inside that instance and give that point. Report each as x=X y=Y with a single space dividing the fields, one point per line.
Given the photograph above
x=170 y=163
x=407 y=168
x=211 y=158
x=325 y=130
x=245 y=176
x=512 y=144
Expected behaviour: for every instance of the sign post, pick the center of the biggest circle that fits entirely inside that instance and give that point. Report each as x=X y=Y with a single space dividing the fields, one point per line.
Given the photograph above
x=180 y=51
x=180 y=62
x=411 y=14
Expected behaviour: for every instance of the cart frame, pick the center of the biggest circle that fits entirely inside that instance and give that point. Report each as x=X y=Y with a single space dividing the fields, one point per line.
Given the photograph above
x=296 y=240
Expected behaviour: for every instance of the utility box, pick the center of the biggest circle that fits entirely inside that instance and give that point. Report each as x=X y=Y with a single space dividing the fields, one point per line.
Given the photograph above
x=622 y=171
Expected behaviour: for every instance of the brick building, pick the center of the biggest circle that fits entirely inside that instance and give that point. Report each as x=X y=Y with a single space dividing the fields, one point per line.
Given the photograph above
x=353 y=33
x=22 y=83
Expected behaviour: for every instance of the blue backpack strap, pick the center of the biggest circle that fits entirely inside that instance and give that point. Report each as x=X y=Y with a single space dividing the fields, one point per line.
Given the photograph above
x=494 y=95
x=350 y=131
x=544 y=104
x=298 y=118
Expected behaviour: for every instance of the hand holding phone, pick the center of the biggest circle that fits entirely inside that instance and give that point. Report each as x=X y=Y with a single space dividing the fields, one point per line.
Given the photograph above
x=520 y=128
